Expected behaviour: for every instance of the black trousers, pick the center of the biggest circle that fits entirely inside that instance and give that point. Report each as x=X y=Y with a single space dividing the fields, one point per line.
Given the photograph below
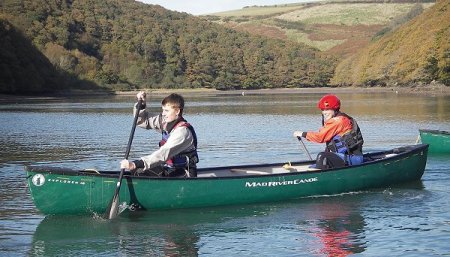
x=329 y=160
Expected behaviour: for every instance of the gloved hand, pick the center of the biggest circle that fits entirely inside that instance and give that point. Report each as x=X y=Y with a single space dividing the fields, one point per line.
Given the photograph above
x=298 y=133
x=125 y=164
x=141 y=96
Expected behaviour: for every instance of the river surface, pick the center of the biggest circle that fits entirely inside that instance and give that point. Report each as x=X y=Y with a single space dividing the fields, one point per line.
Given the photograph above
x=405 y=220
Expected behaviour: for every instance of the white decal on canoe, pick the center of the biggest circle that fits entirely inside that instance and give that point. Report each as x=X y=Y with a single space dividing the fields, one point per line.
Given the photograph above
x=66 y=181
x=38 y=180
x=280 y=183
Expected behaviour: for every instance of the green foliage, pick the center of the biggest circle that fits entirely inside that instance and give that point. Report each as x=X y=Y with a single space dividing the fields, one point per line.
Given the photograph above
x=128 y=44
x=25 y=70
x=431 y=69
x=444 y=69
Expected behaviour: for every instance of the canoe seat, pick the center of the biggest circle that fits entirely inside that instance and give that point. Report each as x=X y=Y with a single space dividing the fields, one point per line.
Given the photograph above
x=252 y=172
x=274 y=170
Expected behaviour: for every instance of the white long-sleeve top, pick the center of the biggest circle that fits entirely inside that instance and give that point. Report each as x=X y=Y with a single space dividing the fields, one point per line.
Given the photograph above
x=180 y=139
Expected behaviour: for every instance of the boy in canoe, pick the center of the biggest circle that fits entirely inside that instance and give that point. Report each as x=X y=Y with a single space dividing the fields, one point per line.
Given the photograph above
x=177 y=153
x=341 y=134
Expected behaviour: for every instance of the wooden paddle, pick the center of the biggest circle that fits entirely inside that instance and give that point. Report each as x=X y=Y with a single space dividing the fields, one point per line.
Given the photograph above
x=304 y=148
x=113 y=208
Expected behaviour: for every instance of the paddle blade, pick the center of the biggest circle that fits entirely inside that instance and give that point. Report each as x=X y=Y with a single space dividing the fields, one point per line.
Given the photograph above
x=113 y=208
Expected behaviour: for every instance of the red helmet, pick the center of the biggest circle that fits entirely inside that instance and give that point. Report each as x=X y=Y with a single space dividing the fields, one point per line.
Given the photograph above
x=329 y=102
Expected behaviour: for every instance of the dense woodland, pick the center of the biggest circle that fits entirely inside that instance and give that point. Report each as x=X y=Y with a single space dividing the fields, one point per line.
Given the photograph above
x=25 y=70
x=124 y=45
x=62 y=45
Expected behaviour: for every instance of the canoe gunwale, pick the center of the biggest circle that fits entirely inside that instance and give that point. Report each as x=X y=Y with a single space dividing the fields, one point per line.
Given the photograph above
x=434 y=131
x=370 y=159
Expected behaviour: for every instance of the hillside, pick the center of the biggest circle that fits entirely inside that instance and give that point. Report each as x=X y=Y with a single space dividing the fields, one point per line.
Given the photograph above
x=25 y=70
x=20 y=61
x=419 y=51
x=339 y=28
x=125 y=44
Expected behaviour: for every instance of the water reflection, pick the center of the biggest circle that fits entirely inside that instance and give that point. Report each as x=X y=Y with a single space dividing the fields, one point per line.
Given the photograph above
x=337 y=226
x=325 y=227
x=340 y=230
x=163 y=233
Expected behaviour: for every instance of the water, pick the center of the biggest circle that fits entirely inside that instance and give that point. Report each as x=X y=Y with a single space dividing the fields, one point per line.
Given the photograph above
x=409 y=220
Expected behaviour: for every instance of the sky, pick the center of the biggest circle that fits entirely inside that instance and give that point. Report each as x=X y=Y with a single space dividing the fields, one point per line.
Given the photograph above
x=199 y=7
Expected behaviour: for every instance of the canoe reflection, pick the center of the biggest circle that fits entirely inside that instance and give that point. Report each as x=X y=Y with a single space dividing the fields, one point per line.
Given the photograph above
x=326 y=226
x=162 y=233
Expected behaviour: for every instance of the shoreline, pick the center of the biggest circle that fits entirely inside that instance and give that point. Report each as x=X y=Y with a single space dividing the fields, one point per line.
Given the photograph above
x=429 y=90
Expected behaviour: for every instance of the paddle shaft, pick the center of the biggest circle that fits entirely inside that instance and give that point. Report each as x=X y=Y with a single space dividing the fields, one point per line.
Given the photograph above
x=130 y=139
x=112 y=210
x=304 y=147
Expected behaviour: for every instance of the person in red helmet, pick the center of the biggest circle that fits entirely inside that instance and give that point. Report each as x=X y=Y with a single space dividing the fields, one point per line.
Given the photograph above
x=340 y=132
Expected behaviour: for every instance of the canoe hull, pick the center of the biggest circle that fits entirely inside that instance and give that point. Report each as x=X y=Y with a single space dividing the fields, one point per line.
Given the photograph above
x=438 y=140
x=69 y=192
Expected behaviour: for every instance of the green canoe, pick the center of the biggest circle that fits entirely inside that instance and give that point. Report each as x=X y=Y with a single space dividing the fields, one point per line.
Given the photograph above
x=65 y=191
x=438 y=140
